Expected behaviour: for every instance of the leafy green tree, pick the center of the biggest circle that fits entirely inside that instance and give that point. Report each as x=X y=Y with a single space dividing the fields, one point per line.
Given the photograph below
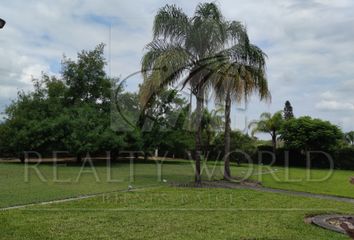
x=195 y=47
x=32 y=122
x=69 y=113
x=307 y=134
x=178 y=141
x=90 y=132
x=86 y=78
x=161 y=117
x=270 y=124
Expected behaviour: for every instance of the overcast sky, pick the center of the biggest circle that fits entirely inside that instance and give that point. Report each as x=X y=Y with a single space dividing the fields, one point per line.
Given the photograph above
x=309 y=43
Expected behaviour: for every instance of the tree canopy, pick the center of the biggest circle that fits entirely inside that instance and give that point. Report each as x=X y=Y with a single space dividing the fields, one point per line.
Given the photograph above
x=306 y=133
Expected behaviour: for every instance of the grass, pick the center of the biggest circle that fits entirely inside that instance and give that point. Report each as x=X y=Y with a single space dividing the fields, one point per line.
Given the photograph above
x=69 y=180
x=156 y=211
x=171 y=213
x=15 y=190
x=315 y=181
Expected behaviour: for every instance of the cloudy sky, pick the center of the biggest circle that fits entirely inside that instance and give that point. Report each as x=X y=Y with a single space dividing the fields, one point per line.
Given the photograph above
x=310 y=45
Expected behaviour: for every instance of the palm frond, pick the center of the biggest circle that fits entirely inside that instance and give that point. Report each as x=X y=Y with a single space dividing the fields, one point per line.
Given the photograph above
x=162 y=65
x=237 y=33
x=171 y=22
x=208 y=30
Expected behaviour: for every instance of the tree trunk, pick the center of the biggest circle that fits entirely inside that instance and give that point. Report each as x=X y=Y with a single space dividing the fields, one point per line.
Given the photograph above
x=274 y=142
x=190 y=110
x=198 y=133
x=227 y=171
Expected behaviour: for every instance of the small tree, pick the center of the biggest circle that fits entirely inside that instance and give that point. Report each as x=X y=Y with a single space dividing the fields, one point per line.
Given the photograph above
x=288 y=111
x=268 y=123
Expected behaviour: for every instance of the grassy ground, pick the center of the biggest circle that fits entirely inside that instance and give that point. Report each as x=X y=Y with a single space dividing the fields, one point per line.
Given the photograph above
x=315 y=181
x=171 y=213
x=158 y=211
x=66 y=181
x=72 y=180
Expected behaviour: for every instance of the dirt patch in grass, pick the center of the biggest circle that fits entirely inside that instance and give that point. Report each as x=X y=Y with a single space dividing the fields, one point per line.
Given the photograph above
x=234 y=183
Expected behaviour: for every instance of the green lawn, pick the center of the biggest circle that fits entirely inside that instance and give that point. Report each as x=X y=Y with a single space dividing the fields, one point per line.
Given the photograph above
x=314 y=181
x=170 y=213
x=15 y=190
x=157 y=211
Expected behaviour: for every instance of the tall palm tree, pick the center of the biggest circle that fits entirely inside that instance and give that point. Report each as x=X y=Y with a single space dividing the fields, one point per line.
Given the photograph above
x=235 y=83
x=268 y=123
x=235 y=80
x=190 y=50
x=349 y=137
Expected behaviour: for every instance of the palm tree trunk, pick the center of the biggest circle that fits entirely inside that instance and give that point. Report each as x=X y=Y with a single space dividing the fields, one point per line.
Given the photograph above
x=198 y=137
x=190 y=109
x=227 y=171
x=274 y=142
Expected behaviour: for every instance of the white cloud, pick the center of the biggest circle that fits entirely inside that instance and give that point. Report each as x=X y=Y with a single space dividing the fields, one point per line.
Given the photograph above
x=333 y=105
x=327 y=95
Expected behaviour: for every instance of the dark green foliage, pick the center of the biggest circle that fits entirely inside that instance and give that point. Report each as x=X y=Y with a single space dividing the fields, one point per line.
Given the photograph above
x=177 y=144
x=240 y=142
x=86 y=78
x=163 y=124
x=309 y=134
x=288 y=111
x=344 y=158
x=89 y=131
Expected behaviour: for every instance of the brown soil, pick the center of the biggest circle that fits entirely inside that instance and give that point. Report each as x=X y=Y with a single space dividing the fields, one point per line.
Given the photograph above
x=234 y=183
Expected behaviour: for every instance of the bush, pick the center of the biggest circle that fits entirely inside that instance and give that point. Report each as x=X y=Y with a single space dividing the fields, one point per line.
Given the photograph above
x=289 y=157
x=239 y=142
x=344 y=158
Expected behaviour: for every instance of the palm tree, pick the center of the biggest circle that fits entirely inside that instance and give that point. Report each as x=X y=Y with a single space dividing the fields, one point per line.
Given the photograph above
x=190 y=50
x=268 y=123
x=349 y=137
x=236 y=81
